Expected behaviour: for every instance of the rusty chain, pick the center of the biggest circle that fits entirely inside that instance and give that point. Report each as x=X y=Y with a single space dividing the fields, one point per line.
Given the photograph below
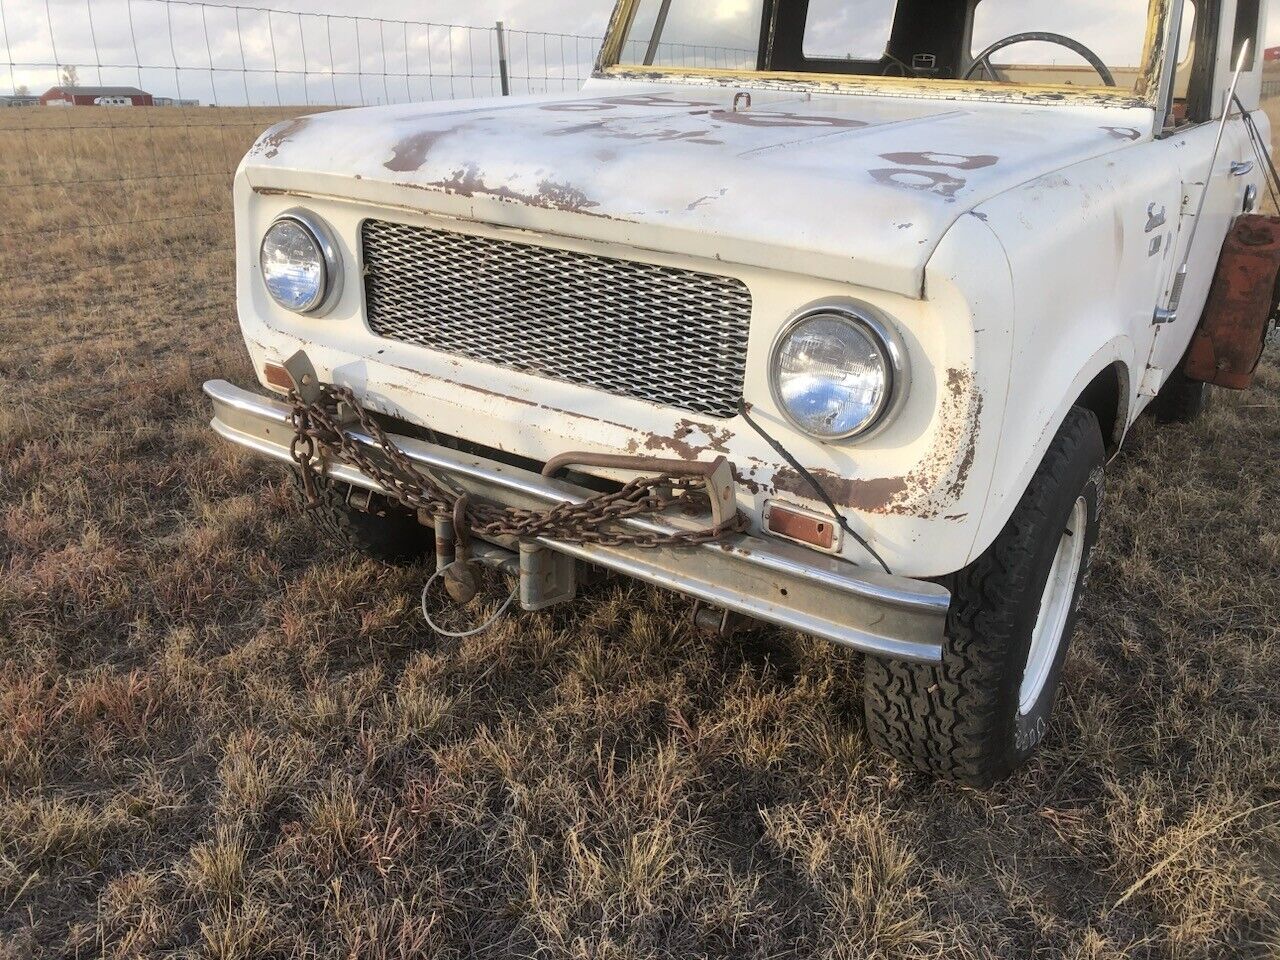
x=320 y=431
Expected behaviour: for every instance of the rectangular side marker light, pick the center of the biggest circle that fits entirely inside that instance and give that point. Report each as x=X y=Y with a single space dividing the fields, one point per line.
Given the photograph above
x=802 y=526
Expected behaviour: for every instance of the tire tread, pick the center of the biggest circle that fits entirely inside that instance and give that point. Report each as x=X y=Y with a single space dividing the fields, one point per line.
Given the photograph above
x=945 y=719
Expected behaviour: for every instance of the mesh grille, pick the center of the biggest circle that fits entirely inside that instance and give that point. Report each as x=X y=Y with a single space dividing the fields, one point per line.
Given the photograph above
x=671 y=337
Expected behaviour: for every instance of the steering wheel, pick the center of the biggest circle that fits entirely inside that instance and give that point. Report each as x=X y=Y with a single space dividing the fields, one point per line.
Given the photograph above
x=983 y=59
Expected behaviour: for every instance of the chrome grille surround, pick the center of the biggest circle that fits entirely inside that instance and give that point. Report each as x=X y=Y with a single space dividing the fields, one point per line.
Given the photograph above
x=667 y=336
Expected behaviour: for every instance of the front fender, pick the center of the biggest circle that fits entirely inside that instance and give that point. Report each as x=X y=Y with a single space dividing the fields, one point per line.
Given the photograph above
x=1085 y=282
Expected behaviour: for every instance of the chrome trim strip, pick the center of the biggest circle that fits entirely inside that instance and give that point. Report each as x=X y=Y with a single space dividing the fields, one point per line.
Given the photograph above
x=774 y=581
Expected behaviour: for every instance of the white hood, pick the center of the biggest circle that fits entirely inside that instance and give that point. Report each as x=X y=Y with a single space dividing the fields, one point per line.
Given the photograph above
x=852 y=188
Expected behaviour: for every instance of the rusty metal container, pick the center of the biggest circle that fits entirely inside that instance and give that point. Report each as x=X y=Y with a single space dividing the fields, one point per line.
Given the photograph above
x=1242 y=304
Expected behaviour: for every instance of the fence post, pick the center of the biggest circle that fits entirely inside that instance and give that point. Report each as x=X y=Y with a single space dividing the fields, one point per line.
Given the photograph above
x=502 y=61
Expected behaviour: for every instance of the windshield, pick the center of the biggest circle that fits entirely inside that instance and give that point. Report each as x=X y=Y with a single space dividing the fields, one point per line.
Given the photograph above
x=1087 y=43
x=688 y=33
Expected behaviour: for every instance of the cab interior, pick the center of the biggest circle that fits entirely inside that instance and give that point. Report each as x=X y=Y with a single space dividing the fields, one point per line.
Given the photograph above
x=946 y=40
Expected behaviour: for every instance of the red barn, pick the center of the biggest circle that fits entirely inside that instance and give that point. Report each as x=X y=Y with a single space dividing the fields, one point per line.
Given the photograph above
x=97 y=96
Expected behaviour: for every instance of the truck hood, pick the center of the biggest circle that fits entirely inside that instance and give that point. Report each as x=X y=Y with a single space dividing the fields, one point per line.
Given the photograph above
x=851 y=188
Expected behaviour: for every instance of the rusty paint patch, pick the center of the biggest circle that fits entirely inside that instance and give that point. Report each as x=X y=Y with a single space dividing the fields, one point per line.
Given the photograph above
x=269 y=143
x=867 y=496
x=748 y=482
x=411 y=152
x=929 y=490
x=678 y=443
x=690 y=440
x=469 y=182
x=957 y=161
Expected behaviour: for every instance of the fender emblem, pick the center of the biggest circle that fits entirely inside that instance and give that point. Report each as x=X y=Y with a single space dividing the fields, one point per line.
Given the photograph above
x=1156 y=218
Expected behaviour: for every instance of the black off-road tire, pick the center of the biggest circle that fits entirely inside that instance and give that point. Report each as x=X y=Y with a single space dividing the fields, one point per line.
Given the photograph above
x=960 y=720
x=1181 y=399
x=385 y=532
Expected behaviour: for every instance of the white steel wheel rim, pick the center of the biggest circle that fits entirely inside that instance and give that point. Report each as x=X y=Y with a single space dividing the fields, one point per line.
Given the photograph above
x=1055 y=608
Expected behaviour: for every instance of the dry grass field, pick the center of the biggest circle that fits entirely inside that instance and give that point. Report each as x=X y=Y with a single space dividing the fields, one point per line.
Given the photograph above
x=221 y=738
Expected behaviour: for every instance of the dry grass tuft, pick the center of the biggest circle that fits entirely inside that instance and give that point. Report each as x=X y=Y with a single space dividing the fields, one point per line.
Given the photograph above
x=221 y=738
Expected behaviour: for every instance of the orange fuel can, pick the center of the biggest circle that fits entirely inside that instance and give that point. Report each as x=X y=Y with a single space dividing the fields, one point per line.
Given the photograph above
x=1228 y=346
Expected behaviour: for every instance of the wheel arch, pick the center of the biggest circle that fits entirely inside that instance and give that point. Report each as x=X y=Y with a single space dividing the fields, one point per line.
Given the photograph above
x=1107 y=397
x=1104 y=386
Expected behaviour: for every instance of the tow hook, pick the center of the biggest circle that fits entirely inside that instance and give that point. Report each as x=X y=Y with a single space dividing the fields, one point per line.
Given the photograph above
x=717 y=623
x=459 y=578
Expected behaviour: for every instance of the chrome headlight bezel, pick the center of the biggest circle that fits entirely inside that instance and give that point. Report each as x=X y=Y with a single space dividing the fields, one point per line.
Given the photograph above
x=870 y=322
x=330 y=258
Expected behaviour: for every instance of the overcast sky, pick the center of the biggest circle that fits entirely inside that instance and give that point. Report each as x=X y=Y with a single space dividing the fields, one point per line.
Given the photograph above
x=317 y=52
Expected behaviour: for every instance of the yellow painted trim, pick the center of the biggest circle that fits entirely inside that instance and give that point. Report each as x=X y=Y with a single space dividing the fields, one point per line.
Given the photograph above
x=891 y=86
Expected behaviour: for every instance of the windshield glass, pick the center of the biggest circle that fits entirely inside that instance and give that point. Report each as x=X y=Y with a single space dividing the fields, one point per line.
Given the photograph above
x=926 y=39
x=690 y=33
x=1115 y=30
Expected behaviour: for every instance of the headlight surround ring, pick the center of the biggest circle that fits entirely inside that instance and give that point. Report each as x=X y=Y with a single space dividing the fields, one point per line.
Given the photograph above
x=874 y=326
x=330 y=259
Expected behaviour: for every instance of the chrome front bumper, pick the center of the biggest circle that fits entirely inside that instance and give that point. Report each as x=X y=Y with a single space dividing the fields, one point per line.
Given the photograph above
x=768 y=580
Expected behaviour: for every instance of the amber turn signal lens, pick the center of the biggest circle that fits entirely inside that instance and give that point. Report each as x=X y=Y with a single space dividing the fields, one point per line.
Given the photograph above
x=277 y=377
x=802 y=527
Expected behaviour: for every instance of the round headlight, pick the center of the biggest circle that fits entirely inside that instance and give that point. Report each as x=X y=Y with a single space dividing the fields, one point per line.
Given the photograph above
x=298 y=264
x=834 y=372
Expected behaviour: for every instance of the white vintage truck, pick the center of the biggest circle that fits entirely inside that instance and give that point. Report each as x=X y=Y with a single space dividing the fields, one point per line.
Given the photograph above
x=822 y=313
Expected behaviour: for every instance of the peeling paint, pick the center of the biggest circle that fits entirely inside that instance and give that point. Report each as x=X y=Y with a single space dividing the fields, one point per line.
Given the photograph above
x=690 y=440
x=926 y=181
x=867 y=496
x=269 y=143
x=411 y=152
x=469 y=182
x=957 y=161
x=1123 y=133
x=929 y=490
x=847 y=85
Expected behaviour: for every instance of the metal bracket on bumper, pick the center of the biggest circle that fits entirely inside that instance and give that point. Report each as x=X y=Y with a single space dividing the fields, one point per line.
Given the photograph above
x=777 y=582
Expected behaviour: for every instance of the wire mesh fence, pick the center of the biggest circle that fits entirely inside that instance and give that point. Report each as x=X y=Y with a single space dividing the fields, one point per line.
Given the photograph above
x=127 y=118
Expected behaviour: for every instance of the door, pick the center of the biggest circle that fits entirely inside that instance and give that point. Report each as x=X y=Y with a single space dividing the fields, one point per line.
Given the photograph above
x=1226 y=180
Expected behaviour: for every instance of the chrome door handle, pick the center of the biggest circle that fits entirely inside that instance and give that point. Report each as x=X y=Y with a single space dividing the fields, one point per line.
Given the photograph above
x=1242 y=168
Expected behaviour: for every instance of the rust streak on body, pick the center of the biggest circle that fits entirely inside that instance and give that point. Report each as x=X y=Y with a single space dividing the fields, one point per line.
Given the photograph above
x=929 y=490
x=468 y=182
